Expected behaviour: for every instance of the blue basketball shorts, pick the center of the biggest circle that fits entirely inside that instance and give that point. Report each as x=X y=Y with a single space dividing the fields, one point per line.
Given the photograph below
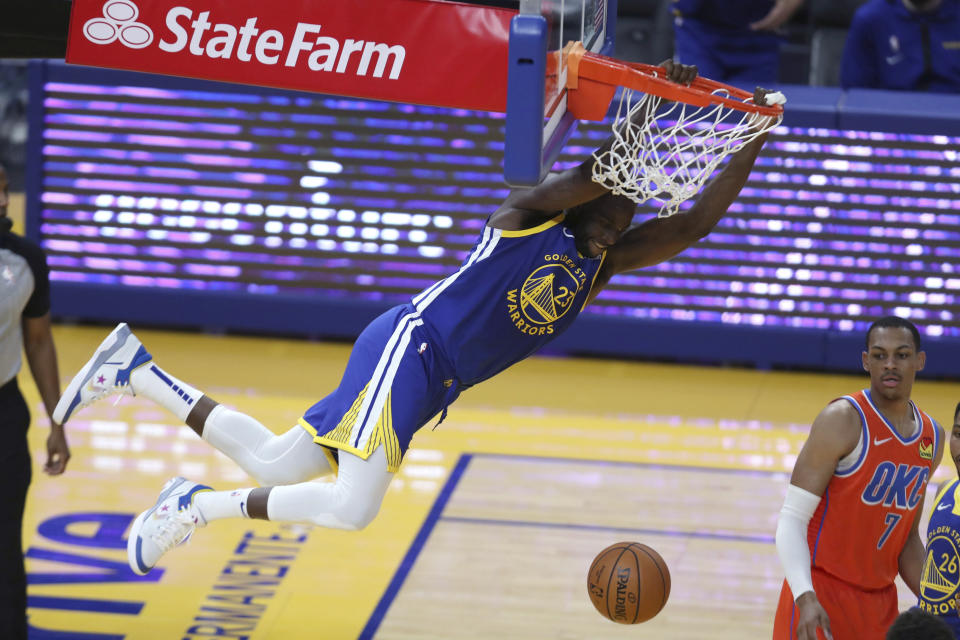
x=395 y=382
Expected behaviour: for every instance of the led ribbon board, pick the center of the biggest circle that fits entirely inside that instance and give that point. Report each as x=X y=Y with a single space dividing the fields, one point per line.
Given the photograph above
x=278 y=194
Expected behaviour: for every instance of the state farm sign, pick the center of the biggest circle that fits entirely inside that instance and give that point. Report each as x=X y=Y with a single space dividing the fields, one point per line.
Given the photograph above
x=325 y=53
x=416 y=51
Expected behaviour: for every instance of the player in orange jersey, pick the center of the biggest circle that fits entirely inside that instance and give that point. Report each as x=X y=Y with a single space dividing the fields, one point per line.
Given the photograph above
x=849 y=523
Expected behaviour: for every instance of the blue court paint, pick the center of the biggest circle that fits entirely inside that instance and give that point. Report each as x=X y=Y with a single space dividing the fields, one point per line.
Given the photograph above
x=677 y=533
x=84 y=604
x=414 y=551
x=39 y=633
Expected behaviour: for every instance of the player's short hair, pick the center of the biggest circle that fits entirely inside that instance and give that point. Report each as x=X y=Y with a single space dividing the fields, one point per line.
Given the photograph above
x=956 y=412
x=604 y=200
x=894 y=322
x=914 y=624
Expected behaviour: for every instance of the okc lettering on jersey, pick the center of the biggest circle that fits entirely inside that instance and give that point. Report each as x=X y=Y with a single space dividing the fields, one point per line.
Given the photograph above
x=890 y=484
x=546 y=295
x=329 y=56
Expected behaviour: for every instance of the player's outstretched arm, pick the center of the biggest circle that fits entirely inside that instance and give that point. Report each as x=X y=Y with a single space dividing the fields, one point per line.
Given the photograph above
x=910 y=562
x=531 y=206
x=834 y=434
x=659 y=239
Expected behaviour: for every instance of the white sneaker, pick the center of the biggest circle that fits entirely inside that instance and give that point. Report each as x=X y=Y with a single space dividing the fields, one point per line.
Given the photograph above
x=106 y=373
x=167 y=524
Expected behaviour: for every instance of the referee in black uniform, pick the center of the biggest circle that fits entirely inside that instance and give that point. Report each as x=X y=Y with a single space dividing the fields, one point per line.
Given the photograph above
x=24 y=325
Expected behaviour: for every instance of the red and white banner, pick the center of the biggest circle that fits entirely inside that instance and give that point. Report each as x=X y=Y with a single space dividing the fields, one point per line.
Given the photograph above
x=416 y=51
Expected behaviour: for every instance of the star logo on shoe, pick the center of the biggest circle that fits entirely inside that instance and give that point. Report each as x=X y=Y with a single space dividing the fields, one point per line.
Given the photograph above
x=101 y=379
x=164 y=507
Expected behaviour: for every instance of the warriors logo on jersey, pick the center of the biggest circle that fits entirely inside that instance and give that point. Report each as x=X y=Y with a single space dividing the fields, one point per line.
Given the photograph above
x=546 y=295
x=940 y=576
x=940 y=579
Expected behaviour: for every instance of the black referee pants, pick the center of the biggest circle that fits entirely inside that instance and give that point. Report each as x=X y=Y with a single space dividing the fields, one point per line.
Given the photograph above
x=14 y=480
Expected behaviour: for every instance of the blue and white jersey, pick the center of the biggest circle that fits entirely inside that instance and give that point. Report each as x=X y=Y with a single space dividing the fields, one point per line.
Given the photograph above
x=940 y=578
x=517 y=291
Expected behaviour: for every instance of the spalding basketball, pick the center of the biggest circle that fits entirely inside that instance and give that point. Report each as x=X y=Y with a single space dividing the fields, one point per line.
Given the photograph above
x=628 y=582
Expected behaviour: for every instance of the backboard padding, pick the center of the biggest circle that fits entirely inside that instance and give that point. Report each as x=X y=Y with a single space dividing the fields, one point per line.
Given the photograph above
x=537 y=123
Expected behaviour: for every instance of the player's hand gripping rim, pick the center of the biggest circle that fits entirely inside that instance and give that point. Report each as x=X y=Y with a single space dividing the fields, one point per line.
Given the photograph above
x=765 y=97
x=679 y=73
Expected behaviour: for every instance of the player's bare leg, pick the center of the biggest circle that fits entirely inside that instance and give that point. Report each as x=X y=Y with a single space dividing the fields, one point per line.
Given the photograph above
x=197 y=417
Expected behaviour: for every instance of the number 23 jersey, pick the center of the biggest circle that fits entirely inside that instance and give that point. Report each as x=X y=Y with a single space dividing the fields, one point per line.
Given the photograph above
x=517 y=291
x=868 y=508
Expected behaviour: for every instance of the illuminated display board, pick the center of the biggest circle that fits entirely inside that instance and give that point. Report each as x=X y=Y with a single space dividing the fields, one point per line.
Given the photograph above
x=286 y=194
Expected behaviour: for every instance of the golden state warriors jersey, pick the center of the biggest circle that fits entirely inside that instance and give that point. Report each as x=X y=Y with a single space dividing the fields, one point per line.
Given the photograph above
x=867 y=511
x=940 y=579
x=515 y=292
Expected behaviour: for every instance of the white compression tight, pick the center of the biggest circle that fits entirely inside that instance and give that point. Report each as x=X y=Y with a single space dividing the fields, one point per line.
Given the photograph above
x=350 y=503
x=269 y=458
x=287 y=461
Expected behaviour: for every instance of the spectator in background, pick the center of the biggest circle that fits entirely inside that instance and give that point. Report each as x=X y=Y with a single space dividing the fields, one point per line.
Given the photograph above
x=24 y=324
x=732 y=42
x=908 y=45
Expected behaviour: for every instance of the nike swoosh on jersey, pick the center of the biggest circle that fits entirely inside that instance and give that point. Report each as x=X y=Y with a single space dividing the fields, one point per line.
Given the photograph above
x=876 y=441
x=941 y=506
x=567 y=233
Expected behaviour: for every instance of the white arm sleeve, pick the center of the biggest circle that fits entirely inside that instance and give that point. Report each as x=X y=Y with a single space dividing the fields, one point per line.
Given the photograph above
x=792 y=545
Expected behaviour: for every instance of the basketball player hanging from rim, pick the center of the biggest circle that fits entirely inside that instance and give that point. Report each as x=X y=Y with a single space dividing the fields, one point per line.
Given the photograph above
x=543 y=255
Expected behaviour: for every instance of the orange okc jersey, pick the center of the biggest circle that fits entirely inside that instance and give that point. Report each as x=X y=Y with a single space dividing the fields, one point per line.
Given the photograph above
x=867 y=511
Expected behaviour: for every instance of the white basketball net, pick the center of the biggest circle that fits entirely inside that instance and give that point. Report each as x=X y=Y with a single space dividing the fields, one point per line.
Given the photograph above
x=667 y=155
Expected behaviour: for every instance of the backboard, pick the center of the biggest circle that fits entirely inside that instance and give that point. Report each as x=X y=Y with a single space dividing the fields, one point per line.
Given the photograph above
x=538 y=123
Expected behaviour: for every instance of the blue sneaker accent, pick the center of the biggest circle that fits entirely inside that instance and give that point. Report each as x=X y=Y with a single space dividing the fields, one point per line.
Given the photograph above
x=141 y=358
x=73 y=405
x=107 y=348
x=107 y=372
x=143 y=568
x=187 y=499
x=170 y=522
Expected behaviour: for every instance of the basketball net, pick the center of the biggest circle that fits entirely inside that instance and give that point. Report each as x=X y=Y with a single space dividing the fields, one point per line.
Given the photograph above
x=668 y=139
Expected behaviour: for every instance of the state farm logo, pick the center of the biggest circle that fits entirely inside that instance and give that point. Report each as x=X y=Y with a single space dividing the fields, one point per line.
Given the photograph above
x=119 y=22
x=247 y=40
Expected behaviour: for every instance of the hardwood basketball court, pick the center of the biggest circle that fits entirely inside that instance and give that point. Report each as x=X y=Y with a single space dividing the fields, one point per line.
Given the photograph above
x=488 y=528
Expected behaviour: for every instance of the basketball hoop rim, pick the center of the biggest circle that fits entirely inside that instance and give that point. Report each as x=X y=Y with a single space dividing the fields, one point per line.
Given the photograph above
x=592 y=80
